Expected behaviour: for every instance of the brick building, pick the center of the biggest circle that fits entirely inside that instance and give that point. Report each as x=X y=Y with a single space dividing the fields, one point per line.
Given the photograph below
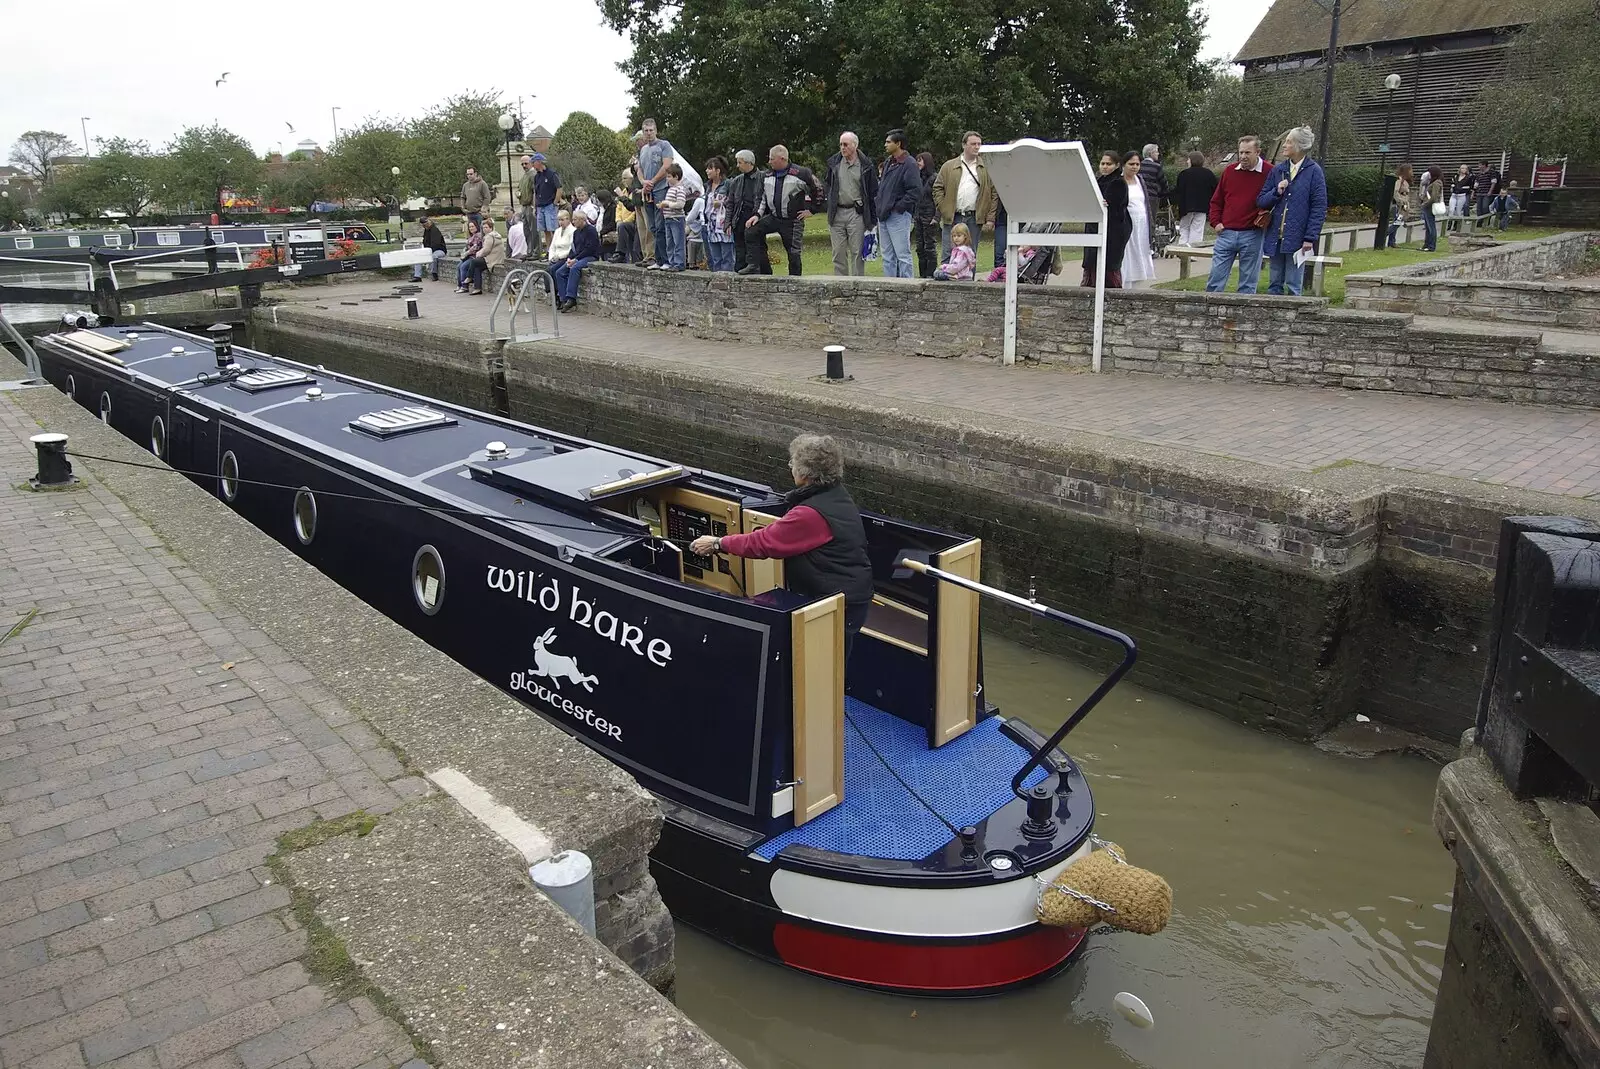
x=1443 y=50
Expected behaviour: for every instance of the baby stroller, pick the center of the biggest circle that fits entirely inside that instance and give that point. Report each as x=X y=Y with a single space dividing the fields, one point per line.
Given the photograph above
x=1163 y=230
x=1037 y=269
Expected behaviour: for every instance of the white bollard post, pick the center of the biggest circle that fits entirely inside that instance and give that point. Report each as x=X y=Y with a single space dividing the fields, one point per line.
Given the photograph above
x=568 y=878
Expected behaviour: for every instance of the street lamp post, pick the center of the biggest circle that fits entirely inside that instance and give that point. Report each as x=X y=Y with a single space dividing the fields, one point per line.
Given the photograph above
x=506 y=123
x=335 y=126
x=1385 y=194
x=1330 y=62
x=85 y=120
x=396 y=220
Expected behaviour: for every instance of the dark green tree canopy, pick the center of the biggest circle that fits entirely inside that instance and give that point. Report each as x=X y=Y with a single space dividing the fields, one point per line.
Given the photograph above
x=124 y=175
x=719 y=75
x=600 y=153
x=205 y=160
x=1267 y=106
x=1547 y=105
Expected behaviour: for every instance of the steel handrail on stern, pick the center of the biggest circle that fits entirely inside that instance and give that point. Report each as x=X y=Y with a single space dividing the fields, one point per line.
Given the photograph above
x=1039 y=797
x=524 y=278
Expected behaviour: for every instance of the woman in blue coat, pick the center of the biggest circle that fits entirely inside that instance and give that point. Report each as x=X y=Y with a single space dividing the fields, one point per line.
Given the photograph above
x=1297 y=193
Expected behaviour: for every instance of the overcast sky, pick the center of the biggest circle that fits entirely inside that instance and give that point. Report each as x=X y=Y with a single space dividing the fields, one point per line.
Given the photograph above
x=147 y=70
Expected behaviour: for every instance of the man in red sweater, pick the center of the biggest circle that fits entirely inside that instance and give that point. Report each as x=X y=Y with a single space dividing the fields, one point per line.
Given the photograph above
x=820 y=538
x=1233 y=216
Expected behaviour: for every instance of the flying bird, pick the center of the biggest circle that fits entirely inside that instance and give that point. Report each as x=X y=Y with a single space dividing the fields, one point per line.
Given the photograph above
x=223 y=78
x=289 y=124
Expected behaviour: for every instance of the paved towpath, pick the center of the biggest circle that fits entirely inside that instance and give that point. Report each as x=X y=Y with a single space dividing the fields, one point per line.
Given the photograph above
x=153 y=745
x=1534 y=447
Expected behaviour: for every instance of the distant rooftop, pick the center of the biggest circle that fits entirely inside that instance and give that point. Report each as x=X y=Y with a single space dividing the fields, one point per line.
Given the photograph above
x=1297 y=27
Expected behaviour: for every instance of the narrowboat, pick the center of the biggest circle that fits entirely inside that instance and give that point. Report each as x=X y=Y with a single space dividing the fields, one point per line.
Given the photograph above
x=883 y=825
x=60 y=244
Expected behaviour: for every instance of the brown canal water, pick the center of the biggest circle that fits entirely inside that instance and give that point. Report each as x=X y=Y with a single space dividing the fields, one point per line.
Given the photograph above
x=1311 y=903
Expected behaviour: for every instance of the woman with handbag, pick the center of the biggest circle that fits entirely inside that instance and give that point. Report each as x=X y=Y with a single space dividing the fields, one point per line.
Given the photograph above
x=1405 y=200
x=1434 y=207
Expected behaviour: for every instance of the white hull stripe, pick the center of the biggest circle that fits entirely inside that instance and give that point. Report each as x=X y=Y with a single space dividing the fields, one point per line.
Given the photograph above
x=914 y=911
x=533 y=844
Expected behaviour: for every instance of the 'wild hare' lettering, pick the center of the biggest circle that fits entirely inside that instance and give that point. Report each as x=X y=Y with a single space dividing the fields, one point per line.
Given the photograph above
x=608 y=626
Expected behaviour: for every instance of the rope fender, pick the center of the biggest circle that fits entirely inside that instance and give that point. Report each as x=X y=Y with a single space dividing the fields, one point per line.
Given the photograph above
x=1103 y=888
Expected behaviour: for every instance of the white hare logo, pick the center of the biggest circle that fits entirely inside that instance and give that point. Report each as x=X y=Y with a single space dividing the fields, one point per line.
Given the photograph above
x=555 y=667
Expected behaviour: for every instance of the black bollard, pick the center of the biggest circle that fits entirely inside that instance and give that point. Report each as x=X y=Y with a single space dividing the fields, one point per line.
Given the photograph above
x=54 y=467
x=221 y=342
x=411 y=308
x=835 y=355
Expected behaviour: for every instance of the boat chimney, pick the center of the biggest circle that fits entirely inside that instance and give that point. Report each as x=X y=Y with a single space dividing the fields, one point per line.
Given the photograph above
x=221 y=342
x=54 y=467
x=497 y=451
x=314 y=394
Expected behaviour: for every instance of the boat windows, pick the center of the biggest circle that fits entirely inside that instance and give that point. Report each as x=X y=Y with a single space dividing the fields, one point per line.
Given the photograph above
x=113 y=239
x=24 y=243
x=270 y=378
x=392 y=422
x=158 y=437
x=427 y=580
x=73 y=241
x=305 y=515
x=169 y=237
x=230 y=477
x=105 y=409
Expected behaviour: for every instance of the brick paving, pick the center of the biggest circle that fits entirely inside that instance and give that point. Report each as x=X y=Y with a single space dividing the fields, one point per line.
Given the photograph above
x=1532 y=447
x=153 y=745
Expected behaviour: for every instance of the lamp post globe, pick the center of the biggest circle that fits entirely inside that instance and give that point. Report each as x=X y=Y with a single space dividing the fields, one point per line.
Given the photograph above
x=1392 y=82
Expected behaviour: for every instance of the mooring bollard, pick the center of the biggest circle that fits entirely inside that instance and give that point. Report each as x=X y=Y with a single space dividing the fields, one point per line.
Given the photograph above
x=568 y=878
x=54 y=467
x=835 y=354
x=411 y=308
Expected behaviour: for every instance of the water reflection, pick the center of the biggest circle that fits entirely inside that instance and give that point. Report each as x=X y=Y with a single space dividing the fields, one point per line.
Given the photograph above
x=1312 y=906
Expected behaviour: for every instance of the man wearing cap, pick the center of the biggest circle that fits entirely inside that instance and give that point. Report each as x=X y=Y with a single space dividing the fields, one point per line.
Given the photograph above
x=543 y=189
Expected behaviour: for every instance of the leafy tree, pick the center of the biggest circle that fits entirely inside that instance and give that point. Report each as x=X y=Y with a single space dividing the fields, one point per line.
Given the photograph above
x=1547 y=104
x=362 y=162
x=298 y=183
x=13 y=209
x=205 y=160
x=123 y=175
x=1105 y=71
x=461 y=131
x=575 y=168
x=37 y=152
x=605 y=151
x=1269 y=105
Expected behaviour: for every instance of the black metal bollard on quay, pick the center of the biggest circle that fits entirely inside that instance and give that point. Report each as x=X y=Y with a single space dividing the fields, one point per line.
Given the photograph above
x=54 y=467
x=835 y=357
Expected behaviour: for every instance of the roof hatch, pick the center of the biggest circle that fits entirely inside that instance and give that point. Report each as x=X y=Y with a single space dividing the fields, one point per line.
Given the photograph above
x=270 y=378
x=579 y=475
x=393 y=422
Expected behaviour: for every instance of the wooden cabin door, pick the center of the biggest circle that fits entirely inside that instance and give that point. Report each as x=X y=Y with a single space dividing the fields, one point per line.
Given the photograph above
x=817 y=640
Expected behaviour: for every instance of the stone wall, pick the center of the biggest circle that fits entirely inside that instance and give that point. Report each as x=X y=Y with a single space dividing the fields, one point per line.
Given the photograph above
x=1284 y=600
x=1298 y=341
x=1506 y=284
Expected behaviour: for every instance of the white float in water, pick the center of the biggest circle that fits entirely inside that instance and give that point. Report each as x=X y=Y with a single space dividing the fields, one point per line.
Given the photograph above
x=1134 y=1009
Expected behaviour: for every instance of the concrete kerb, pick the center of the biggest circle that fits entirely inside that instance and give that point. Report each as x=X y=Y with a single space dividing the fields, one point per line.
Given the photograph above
x=401 y=686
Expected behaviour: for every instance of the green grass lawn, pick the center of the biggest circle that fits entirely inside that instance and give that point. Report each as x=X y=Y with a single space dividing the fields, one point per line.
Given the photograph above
x=1363 y=260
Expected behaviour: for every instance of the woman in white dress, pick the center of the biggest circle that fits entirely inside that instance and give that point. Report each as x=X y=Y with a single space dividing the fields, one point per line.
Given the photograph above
x=1138 y=264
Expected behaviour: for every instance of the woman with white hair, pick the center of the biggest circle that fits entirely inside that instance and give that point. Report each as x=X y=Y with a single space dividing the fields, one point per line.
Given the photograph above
x=1297 y=193
x=820 y=538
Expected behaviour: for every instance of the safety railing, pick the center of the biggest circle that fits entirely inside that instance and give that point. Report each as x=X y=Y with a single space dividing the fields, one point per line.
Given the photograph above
x=196 y=258
x=521 y=282
x=1039 y=797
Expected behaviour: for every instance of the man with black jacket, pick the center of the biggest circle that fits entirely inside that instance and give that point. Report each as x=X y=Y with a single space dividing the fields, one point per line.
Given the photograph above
x=789 y=195
x=1196 y=183
x=744 y=200
x=1155 y=179
x=433 y=241
x=852 y=186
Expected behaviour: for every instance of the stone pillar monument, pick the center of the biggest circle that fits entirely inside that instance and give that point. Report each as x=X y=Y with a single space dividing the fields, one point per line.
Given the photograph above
x=505 y=190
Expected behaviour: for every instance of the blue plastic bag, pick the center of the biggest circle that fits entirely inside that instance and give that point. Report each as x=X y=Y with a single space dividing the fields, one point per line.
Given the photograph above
x=869 y=244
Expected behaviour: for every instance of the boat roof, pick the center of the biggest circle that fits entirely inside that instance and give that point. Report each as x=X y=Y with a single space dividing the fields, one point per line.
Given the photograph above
x=552 y=482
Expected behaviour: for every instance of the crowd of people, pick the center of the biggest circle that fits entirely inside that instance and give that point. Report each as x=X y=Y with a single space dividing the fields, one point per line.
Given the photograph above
x=924 y=218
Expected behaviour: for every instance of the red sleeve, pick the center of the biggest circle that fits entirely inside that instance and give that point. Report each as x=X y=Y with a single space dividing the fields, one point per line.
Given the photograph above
x=800 y=530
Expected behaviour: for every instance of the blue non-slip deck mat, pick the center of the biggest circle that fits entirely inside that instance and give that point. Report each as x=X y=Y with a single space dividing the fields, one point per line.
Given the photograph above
x=965 y=780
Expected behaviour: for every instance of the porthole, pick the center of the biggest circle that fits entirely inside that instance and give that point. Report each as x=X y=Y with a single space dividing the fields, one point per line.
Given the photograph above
x=105 y=409
x=72 y=387
x=158 y=437
x=427 y=579
x=305 y=516
x=230 y=477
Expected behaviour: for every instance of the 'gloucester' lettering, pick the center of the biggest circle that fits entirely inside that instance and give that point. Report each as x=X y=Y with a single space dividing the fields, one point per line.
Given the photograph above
x=521 y=681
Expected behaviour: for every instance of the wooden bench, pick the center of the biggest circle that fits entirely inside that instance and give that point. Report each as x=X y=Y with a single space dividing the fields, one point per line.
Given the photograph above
x=1185 y=253
x=1318 y=266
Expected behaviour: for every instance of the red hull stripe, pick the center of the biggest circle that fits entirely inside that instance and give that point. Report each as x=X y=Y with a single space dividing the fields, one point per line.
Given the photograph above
x=930 y=965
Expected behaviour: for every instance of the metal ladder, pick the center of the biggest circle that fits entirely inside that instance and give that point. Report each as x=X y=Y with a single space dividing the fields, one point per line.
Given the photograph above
x=525 y=278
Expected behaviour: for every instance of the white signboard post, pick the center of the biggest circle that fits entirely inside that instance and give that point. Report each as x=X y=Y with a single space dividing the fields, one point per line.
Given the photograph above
x=1047 y=182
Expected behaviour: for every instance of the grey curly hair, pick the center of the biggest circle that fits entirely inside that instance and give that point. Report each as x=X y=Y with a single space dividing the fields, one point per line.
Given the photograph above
x=816 y=458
